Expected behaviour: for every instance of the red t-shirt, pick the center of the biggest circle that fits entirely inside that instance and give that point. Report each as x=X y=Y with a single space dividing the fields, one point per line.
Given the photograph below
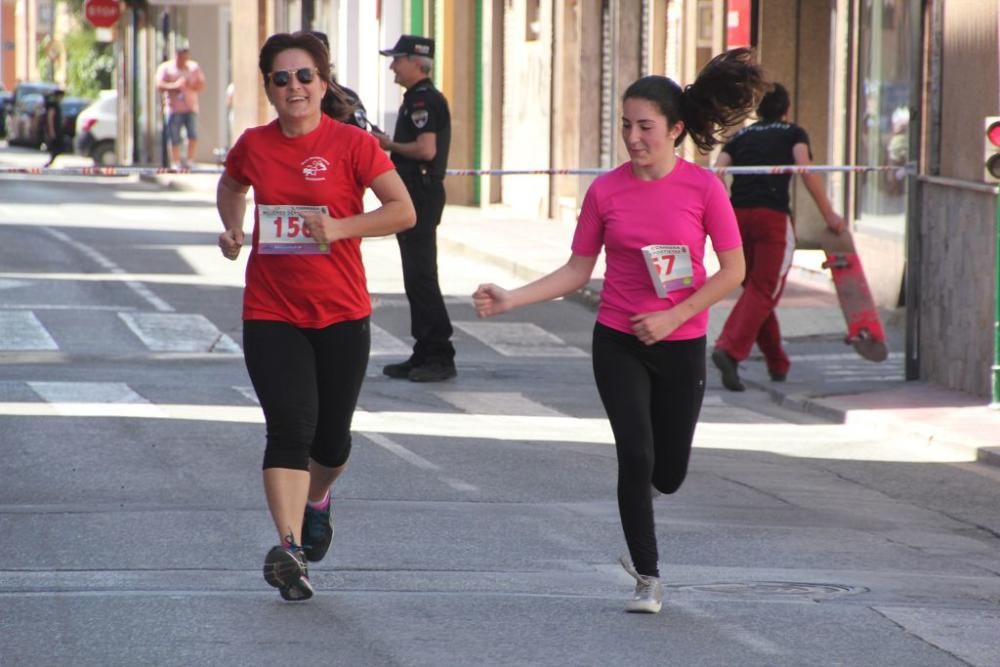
x=331 y=166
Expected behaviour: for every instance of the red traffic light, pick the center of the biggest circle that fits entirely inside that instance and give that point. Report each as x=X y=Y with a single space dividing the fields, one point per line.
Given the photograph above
x=991 y=149
x=993 y=133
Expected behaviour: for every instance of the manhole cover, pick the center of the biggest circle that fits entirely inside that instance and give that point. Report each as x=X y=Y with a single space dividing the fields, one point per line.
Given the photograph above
x=777 y=588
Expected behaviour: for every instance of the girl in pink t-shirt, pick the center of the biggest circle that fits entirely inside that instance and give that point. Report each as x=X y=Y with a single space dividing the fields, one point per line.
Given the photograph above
x=652 y=215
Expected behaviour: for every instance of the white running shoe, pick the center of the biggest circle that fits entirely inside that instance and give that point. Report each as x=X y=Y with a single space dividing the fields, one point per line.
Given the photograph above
x=648 y=595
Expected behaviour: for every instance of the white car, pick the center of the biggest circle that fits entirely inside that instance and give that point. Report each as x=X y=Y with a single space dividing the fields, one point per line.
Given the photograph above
x=97 y=129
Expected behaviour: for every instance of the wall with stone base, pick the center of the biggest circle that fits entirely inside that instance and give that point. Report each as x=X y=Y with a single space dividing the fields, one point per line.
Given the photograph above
x=957 y=287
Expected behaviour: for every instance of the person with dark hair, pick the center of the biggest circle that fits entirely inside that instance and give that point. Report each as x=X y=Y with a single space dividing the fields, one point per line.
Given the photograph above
x=652 y=215
x=762 y=205
x=340 y=102
x=55 y=141
x=306 y=308
x=419 y=149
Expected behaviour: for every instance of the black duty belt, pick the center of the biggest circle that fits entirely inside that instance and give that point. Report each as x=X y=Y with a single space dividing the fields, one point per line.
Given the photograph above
x=421 y=175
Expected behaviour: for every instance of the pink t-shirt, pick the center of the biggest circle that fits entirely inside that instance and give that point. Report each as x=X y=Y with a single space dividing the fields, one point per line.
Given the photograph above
x=625 y=214
x=183 y=99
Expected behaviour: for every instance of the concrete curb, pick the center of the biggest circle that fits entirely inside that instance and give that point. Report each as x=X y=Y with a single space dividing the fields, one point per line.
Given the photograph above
x=180 y=183
x=881 y=421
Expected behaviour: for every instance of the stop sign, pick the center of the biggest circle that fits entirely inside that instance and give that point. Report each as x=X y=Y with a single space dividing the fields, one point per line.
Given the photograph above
x=102 y=13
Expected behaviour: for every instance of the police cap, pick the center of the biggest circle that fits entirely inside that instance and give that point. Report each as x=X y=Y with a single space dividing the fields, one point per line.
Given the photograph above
x=411 y=45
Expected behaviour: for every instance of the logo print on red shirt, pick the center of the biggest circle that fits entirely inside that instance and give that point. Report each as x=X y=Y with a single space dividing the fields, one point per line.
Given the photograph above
x=314 y=169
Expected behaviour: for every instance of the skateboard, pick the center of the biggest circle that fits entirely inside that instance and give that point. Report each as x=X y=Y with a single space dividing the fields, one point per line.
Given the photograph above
x=864 y=328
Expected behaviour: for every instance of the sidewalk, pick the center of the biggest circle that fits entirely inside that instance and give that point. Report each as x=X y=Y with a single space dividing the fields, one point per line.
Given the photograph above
x=827 y=378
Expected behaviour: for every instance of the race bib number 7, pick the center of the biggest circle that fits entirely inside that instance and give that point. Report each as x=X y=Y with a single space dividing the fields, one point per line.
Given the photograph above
x=669 y=267
x=283 y=232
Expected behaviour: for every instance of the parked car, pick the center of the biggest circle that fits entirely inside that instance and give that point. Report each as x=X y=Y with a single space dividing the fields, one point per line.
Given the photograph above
x=71 y=107
x=5 y=99
x=97 y=128
x=28 y=96
x=19 y=132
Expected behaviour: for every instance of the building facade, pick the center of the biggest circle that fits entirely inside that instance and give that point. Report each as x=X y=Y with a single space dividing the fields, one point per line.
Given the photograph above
x=536 y=84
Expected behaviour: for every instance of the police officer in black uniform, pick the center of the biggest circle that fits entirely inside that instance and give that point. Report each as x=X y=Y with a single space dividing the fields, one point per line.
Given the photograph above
x=419 y=149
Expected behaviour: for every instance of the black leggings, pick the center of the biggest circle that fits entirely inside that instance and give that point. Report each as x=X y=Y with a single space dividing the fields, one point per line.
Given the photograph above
x=652 y=395
x=307 y=381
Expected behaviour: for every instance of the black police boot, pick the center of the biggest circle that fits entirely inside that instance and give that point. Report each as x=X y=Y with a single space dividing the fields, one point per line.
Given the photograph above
x=433 y=371
x=400 y=371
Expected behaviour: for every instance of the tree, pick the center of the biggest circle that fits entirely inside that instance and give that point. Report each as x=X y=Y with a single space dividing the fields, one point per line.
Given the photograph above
x=90 y=64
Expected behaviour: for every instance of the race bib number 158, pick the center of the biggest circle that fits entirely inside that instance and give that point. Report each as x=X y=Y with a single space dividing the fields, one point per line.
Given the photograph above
x=283 y=232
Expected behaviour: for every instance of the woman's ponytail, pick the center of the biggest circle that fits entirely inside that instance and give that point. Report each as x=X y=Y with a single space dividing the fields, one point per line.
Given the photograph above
x=726 y=91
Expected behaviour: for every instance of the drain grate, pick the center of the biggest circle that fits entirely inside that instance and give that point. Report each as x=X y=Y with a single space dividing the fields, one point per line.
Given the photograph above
x=776 y=588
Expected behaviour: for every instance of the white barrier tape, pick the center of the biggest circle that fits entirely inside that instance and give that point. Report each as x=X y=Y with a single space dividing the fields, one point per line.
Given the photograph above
x=768 y=170
x=158 y=171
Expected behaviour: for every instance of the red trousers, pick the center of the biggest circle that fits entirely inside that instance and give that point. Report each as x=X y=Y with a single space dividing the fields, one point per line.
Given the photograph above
x=768 y=244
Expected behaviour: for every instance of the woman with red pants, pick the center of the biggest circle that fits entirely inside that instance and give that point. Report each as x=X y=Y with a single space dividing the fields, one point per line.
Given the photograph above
x=762 y=209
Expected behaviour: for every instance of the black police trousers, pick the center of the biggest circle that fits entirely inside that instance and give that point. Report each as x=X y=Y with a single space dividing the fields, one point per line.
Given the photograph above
x=429 y=323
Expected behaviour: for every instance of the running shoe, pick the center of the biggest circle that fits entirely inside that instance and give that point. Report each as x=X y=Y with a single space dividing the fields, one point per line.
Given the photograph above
x=648 y=595
x=285 y=568
x=317 y=532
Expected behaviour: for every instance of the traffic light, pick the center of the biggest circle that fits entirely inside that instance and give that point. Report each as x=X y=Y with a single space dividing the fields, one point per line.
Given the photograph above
x=991 y=153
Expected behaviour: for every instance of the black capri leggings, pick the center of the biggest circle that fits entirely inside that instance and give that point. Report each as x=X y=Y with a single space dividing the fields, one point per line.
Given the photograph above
x=307 y=381
x=652 y=394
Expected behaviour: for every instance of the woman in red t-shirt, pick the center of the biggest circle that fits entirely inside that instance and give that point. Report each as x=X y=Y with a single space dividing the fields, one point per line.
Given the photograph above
x=306 y=307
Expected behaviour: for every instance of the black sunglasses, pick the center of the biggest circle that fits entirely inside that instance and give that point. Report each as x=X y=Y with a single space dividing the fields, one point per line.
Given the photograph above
x=281 y=77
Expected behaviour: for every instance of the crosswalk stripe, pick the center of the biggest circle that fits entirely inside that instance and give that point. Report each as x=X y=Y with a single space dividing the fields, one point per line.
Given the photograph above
x=845 y=356
x=248 y=393
x=94 y=399
x=21 y=331
x=713 y=401
x=6 y=283
x=178 y=332
x=860 y=370
x=520 y=339
x=497 y=403
x=819 y=441
x=385 y=344
x=65 y=306
x=865 y=378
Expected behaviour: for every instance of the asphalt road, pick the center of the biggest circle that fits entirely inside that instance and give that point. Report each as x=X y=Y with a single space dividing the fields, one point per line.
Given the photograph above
x=477 y=523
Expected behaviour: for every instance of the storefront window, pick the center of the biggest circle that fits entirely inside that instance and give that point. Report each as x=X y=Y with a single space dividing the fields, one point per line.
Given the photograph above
x=888 y=57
